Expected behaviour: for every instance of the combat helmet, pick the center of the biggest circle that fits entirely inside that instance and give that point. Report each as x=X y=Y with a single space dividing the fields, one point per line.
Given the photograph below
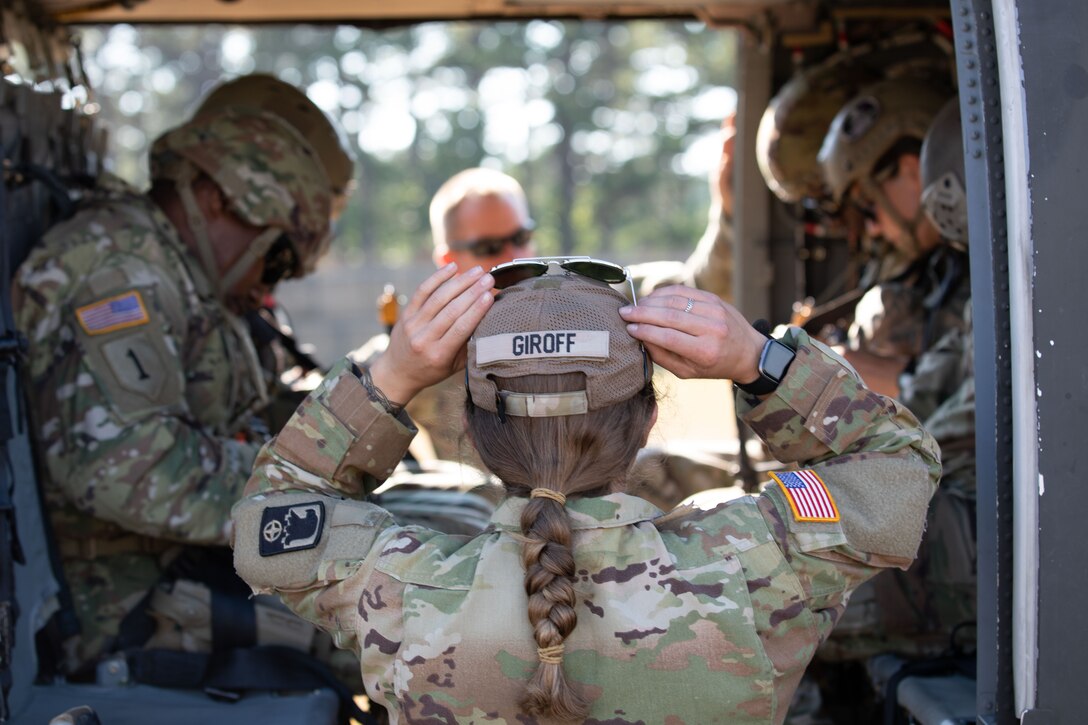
x=871 y=124
x=944 y=195
x=797 y=118
x=867 y=130
x=270 y=176
x=268 y=93
x=795 y=122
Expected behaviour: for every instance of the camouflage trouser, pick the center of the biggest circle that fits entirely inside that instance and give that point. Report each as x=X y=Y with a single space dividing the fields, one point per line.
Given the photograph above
x=103 y=592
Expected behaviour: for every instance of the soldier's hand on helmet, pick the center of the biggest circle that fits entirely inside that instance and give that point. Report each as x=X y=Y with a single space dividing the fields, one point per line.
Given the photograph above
x=427 y=344
x=694 y=334
x=721 y=177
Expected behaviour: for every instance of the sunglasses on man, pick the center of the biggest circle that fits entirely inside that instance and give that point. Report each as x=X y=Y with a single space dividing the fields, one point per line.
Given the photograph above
x=510 y=273
x=493 y=246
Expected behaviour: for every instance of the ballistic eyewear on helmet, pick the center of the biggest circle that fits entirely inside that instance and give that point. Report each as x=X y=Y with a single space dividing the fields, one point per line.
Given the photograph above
x=493 y=246
x=280 y=261
x=510 y=273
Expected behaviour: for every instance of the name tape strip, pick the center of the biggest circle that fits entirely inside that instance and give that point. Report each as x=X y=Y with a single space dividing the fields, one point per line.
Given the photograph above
x=543 y=344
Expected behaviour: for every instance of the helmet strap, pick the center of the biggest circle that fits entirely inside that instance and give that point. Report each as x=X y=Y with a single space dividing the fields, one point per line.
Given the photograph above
x=198 y=227
x=256 y=250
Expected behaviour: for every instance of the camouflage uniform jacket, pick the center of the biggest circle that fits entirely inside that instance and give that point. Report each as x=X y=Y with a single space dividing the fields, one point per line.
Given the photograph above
x=436 y=410
x=140 y=381
x=691 y=617
x=923 y=317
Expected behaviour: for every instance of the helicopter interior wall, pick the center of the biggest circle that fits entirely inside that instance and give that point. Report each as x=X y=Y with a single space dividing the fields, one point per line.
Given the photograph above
x=1055 y=92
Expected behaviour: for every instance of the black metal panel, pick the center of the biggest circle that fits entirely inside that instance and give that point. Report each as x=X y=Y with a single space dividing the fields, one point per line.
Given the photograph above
x=980 y=108
x=1055 y=76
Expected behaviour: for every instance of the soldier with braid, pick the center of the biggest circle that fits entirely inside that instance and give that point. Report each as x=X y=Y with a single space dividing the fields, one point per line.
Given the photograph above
x=581 y=603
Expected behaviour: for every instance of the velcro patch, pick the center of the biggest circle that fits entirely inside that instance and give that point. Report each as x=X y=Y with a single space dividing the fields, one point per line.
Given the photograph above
x=113 y=313
x=291 y=528
x=808 y=496
x=542 y=344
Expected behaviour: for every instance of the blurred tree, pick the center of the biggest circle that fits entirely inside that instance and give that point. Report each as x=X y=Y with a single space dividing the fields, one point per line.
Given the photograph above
x=605 y=124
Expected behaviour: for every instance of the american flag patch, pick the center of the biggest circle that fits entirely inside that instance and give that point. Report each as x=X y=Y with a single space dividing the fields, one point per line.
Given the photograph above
x=113 y=313
x=808 y=496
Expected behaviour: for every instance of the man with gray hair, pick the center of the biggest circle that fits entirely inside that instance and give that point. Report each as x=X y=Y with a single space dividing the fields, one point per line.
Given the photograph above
x=480 y=217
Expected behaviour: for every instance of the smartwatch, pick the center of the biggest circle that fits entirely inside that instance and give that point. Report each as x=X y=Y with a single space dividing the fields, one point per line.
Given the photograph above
x=774 y=361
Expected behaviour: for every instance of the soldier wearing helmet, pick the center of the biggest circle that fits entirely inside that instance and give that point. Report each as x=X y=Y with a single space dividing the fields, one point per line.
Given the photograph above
x=940 y=370
x=870 y=158
x=260 y=91
x=143 y=377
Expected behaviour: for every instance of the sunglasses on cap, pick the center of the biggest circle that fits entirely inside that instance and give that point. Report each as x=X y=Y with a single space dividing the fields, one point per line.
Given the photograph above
x=510 y=273
x=493 y=246
x=280 y=261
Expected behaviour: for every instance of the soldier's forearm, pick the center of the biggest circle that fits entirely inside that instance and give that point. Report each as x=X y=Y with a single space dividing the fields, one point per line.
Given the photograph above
x=710 y=266
x=822 y=410
x=338 y=439
x=161 y=478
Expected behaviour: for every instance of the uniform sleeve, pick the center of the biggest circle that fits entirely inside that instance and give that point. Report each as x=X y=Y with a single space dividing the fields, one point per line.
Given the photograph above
x=295 y=533
x=877 y=464
x=109 y=401
x=710 y=266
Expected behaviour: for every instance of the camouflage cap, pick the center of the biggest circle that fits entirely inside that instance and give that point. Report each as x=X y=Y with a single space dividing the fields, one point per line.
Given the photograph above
x=270 y=175
x=559 y=323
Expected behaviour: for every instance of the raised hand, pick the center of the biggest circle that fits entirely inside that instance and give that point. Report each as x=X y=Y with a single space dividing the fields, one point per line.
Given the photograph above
x=694 y=334
x=427 y=344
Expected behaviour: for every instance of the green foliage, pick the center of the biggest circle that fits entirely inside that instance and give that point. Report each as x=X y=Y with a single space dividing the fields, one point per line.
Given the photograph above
x=596 y=119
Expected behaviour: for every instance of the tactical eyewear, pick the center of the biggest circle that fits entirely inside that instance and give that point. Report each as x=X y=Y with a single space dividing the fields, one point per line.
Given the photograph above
x=510 y=273
x=493 y=246
x=280 y=261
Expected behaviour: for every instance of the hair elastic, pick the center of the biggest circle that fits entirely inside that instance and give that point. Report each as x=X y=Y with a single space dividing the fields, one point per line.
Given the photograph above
x=550 y=655
x=548 y=493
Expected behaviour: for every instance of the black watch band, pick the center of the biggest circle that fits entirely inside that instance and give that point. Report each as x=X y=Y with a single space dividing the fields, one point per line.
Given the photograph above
x=774 y=362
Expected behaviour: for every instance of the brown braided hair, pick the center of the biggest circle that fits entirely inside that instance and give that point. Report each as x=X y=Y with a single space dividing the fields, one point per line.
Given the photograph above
x=574 y=455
